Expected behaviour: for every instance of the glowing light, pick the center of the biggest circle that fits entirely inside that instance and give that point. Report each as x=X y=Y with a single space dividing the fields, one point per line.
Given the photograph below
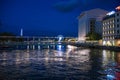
x=71 y=47
x=110 y=76
x=84 y=55
x=60 y=37
x=21 y=32
x=118 y=42
x=59 y=47
x=104 y=42
x=118 y=8
x=110 y=13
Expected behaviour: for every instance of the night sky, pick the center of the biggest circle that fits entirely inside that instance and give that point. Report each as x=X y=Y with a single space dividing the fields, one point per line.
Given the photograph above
x=47 y=17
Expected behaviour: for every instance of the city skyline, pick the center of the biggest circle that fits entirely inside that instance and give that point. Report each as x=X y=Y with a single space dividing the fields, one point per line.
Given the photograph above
x=47 y=18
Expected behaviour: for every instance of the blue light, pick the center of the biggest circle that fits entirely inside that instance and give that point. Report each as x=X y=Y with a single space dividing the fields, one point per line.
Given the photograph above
x=110 y=77
x=60 y=37
x=59 y=47
x=110 y=13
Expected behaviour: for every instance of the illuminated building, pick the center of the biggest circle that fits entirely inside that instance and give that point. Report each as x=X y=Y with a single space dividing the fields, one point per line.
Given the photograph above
x=90 y=21
x=111 y=28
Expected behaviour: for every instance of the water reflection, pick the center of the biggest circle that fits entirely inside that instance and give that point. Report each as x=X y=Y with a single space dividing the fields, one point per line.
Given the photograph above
x=61 y=63
x=110 y=62
x=107 y=56
x=118 y=57
x=117 y=74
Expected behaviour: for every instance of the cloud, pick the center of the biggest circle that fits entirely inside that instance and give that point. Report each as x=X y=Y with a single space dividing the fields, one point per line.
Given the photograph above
x=66 y=6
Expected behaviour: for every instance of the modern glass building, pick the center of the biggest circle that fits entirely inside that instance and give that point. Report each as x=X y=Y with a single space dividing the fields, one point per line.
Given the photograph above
x=90 y=21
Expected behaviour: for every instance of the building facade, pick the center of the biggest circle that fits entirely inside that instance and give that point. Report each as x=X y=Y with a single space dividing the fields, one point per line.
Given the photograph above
x=111 y=29
x=90 y=21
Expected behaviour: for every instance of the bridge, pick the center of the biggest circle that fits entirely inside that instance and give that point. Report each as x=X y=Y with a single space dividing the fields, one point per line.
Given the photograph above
x=33 y=42
x=35 y=39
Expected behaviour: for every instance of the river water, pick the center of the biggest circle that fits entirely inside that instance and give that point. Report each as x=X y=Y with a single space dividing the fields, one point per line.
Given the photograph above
x=59 y=63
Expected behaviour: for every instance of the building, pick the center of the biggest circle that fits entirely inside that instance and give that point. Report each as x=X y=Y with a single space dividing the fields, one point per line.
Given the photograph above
x=90 y=21
x=111 y=29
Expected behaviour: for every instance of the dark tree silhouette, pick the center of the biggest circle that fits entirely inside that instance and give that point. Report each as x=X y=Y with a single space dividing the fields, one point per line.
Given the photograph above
x=93 y=36
x=6 y=34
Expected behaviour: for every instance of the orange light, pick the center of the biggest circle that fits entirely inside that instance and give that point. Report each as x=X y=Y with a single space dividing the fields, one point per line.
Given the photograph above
x=118 y=8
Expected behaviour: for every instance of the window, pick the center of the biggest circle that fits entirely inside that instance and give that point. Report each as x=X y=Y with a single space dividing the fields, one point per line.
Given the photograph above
x=117 y=25
x=113 y=21
x=113 y=31
x=110 y=26
x=117 y=31
x=113 y=26
x=117 y=20
x=117 y=14
x=113 y=37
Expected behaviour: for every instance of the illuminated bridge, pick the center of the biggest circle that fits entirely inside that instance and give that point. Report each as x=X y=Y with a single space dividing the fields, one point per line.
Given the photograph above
x=36 y=39
x=34 y=42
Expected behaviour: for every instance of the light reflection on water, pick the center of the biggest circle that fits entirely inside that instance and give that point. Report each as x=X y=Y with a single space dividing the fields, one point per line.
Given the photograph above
x=62 y=63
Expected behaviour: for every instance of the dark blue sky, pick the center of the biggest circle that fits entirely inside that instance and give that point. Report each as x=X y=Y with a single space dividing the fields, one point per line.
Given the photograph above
x=47 y=17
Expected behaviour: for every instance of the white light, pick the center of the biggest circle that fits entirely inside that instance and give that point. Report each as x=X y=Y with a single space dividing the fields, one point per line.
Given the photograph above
x=59 y=47
x=60 y=37
x=71 y=47
x=21 y=32
x=110 y=13
x=104 y=42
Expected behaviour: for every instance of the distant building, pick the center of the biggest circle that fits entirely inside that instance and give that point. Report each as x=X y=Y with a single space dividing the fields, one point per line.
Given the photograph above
x=111 y=29
x=90 y=21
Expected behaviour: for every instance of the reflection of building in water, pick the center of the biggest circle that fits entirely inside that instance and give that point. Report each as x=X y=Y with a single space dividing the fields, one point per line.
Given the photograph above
x=17 y=61
x=58 y=56
x=26 y=56
x=118 y=66
x=22 y=57
x=4 y=57
x=82 y=57
x=107 y=56
x=118 y=57
x=47 y=58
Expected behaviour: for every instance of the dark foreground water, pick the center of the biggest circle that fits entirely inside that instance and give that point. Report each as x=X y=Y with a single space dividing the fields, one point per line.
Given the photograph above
x=60 y=63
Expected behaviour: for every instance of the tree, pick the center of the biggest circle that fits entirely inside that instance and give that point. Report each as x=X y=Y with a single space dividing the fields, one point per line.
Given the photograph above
x=6 y=34
x=93 y=36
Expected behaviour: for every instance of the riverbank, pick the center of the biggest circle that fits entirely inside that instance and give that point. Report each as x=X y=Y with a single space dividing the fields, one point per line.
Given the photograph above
x=89 y=45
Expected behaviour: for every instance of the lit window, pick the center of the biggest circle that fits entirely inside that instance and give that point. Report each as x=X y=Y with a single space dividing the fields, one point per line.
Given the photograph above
x=113 y=26
x=110 y=26
x=110 y=32
x=113 y=31
x=113 y=37
x=113 y=21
